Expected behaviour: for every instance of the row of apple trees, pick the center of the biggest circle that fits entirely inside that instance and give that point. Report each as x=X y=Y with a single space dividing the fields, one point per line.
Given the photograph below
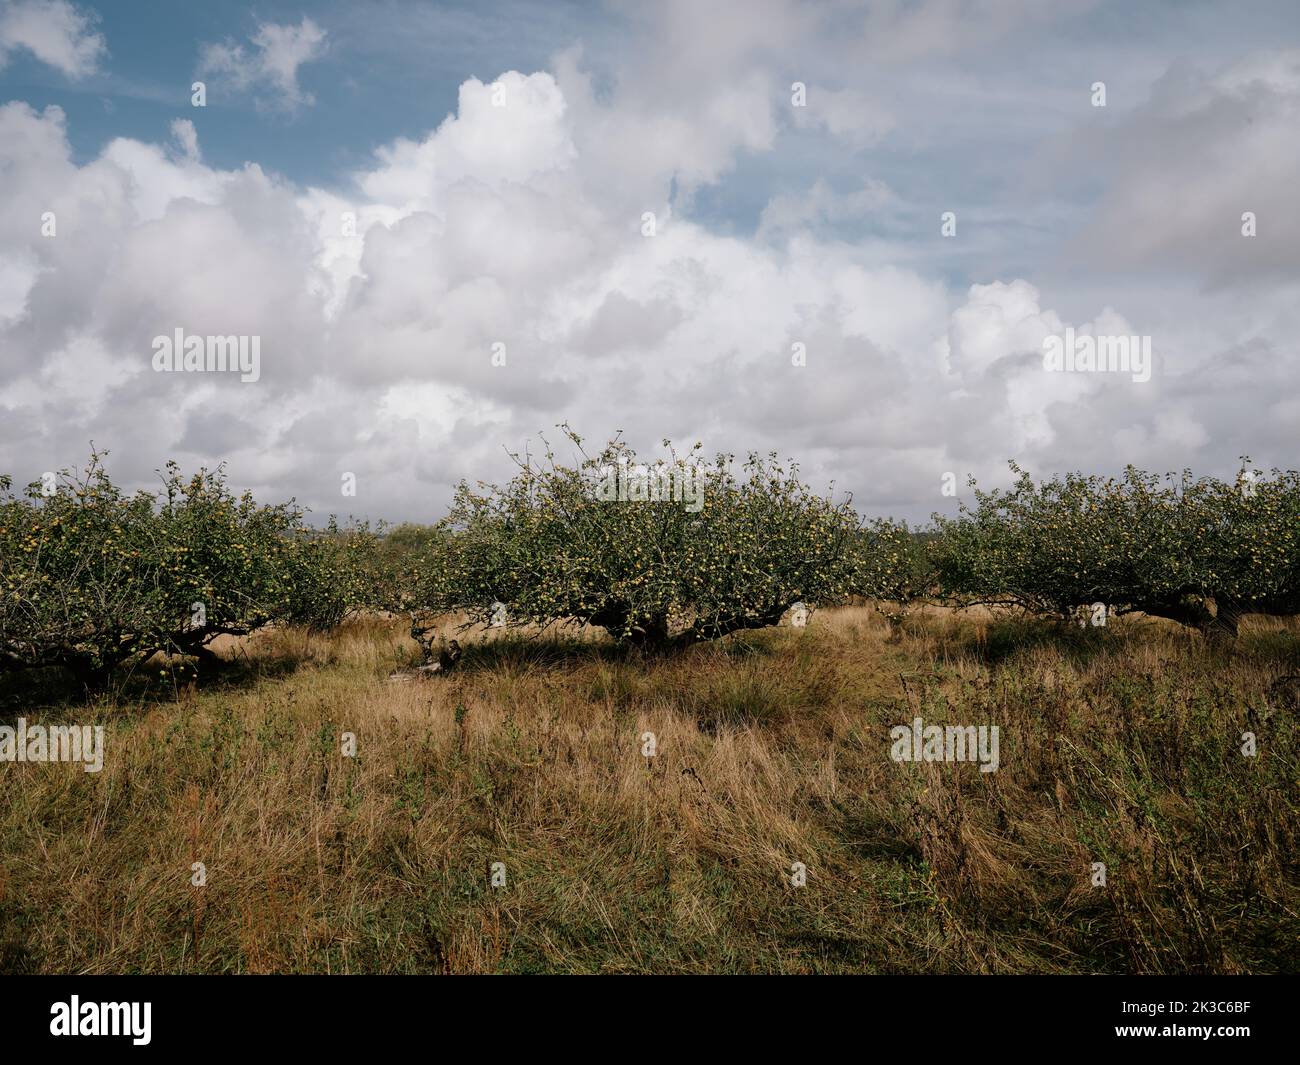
x=662 y=553
x=1200 y=551
x=659 y=554
x=92 y=578
x=555 y=544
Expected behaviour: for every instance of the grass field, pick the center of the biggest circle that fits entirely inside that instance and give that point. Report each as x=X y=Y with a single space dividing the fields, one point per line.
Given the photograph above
x=1119 y=745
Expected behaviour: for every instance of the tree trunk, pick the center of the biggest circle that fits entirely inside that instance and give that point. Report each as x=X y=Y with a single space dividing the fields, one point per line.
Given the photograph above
x=1217 y=619
x=91 y=677
x=1224 y=623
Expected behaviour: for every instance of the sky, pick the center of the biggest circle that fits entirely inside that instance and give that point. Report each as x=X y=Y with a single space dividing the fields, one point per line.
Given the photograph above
x=843 y=231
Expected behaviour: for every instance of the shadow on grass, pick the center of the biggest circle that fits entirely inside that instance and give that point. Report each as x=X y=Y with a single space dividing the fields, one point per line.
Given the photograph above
x=1280 y=647
x=556 y=650
x=518 y=653
x=149 y=683
x=1002 y=640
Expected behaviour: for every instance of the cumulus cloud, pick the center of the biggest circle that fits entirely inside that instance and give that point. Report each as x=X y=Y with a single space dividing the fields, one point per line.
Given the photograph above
x=58 y=33
x=270 y=64
x=466 y=288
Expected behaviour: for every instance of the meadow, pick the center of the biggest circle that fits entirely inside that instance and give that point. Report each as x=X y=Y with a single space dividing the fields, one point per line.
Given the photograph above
x=1120 y=745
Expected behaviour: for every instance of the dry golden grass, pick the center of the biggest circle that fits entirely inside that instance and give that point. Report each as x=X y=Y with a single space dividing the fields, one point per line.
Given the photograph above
x=1118 y=746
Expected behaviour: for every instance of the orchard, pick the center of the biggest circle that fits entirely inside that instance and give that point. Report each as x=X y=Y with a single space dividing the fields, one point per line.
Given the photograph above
x=1199 y=551
x=661 y=554
x=91 y=578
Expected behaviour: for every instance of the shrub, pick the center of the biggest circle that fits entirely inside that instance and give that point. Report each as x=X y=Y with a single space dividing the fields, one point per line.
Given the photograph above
x=1198 y=551
x=90 y=578
x=892 y=566
x=555 y=544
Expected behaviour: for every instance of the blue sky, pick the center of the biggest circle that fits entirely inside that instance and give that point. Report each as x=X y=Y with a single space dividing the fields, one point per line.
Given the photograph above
x=391 y=69
x=522 y=225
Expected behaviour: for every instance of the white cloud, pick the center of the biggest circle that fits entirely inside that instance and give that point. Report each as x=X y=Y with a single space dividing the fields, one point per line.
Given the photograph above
x=58 y=33
x=521 y=225
x=523 y=135
x=272 y=63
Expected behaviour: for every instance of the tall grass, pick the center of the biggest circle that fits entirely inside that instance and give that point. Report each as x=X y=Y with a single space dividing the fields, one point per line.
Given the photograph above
x=1119 y=747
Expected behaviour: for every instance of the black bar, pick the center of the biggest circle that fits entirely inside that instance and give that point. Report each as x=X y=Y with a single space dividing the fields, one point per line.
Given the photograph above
x=303 y=1013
